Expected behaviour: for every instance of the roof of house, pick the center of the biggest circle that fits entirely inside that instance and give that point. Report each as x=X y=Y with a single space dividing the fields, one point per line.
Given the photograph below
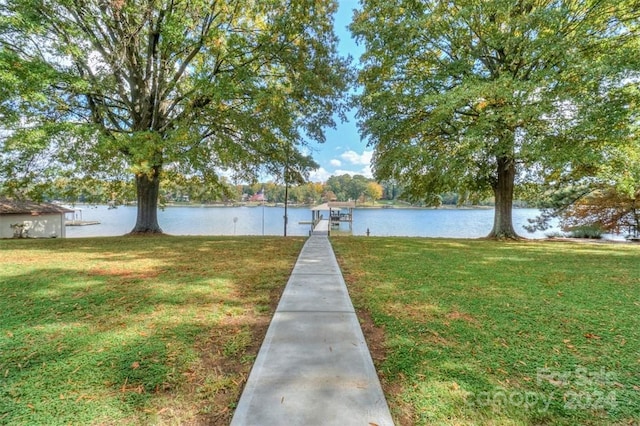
x=9 y=206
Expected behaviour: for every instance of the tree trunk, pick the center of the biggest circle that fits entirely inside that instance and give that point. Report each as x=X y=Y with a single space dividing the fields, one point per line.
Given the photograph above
x=148 y=189
x=503 y=192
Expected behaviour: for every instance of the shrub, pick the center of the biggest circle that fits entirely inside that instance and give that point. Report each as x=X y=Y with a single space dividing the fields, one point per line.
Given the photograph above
x=586 y=231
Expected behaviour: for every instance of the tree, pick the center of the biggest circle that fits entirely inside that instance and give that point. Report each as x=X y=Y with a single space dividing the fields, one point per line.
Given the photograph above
x=148 y=87
x=337 y=186
x=313 y=193
x=608 y=201
x=357 y=186
x=374 y=191
x=607 y=210
x=347 y=187
x=475 y=96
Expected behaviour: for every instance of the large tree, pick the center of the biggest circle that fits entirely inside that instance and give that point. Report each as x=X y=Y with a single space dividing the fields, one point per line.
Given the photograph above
x=147 y=86
x=474 y=96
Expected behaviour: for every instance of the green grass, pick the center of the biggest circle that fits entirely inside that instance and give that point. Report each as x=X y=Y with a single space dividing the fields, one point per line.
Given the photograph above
x=481 y=332
x=133 y=330
x=164 y=330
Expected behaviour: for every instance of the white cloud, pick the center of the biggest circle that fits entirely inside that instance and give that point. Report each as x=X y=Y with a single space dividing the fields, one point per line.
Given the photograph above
x=351 y=157
x=319 y=175
x=354 y=158
x=349 y=163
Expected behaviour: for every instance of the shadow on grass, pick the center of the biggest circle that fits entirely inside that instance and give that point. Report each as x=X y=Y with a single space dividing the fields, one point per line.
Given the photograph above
x=481 y=332
x=120 y=331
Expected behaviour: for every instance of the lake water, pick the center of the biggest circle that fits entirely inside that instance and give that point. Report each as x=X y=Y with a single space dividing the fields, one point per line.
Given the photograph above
x=454 y=223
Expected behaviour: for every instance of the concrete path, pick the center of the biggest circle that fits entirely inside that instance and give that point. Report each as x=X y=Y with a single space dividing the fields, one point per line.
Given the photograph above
x=314 y=367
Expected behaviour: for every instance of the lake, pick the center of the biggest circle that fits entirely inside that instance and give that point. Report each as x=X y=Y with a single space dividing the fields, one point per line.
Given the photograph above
x=451 y=223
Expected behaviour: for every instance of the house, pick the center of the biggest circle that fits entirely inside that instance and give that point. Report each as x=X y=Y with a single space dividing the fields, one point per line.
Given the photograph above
x=30 y=219
x=258 y=196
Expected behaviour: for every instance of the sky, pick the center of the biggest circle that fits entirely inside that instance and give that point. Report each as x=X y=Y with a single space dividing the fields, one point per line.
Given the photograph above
x=343 y=152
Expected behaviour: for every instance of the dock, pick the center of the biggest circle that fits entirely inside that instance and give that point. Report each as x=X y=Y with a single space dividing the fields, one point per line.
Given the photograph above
x=321 y=228
x=74 y=218
x=338 y=212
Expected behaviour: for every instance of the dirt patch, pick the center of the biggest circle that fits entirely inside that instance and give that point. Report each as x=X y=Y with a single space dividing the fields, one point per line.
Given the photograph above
x=215 y=382
x=462 y=316
x=403 y=414
x=375 y=337
x=233 y=368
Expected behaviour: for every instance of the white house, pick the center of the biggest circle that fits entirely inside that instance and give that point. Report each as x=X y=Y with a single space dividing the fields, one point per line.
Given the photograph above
x=31 y=219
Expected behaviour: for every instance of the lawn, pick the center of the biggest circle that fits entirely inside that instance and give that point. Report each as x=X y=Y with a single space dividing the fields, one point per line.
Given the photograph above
x=164 y=330
x=472 y=332
x=130 y=330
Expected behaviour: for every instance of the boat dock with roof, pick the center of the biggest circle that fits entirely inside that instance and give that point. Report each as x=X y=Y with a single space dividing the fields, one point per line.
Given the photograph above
x=339 y=212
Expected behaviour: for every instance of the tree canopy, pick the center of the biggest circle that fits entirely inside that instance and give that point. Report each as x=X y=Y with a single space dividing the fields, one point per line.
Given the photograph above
x=148 y=86
x=476 y=96
x=346 y=187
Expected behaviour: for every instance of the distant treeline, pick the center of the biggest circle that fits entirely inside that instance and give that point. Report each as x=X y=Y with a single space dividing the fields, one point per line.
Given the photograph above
x=182 y=189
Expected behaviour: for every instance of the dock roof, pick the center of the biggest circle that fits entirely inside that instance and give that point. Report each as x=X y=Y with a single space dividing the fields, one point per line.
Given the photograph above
x=335 y=205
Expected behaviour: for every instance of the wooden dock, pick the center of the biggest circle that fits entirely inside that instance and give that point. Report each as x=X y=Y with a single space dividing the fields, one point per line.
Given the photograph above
x=321 y=228
x=339 y=212
x=81 y=222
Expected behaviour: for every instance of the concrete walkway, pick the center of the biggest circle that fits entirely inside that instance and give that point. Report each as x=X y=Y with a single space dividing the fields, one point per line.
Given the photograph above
x=314 y=367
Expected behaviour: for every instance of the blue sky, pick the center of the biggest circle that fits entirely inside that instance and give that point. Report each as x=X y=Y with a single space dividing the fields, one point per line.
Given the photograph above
x=344 y=151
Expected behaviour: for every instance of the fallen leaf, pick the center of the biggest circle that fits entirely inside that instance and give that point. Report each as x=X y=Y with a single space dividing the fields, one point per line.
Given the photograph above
x=135 y=365
x=591 y=336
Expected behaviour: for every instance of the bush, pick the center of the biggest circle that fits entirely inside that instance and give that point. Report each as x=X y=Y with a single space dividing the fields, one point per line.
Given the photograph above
x=555 y=234
x=586 y=231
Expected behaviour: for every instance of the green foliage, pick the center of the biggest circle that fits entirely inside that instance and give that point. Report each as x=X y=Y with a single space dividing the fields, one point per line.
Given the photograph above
x=454 y=89
x=347 y=187
x=374 y=191
x=471 y=328
x=586 y=231
x=196 y=87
